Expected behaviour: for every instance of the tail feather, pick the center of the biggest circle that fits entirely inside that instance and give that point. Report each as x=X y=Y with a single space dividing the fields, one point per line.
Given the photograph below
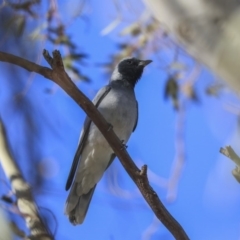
x=76 y=206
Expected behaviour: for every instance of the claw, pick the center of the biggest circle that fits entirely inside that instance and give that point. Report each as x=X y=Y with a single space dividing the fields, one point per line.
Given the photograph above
x=110 y=127
x=124 y=146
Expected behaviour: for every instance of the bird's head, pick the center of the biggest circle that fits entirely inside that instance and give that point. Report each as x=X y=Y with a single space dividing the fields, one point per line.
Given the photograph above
x=130 y=70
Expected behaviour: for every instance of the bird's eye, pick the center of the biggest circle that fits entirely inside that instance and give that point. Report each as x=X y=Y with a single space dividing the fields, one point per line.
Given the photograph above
x=129 y=61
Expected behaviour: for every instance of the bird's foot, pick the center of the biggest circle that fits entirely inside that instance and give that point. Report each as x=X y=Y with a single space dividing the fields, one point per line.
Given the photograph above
x=110 y=127
x=124 y=146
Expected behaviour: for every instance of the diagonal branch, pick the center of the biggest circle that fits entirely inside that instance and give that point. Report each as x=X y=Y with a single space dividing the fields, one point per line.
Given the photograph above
x=21 y=188
x=59 y=76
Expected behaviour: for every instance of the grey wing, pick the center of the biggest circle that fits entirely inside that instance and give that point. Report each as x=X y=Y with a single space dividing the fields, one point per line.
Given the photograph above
x=136 y=122
x=97 y=100
x=77 y=206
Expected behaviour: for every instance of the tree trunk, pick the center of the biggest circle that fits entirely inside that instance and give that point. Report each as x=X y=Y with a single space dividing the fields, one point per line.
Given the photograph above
x=207 y=29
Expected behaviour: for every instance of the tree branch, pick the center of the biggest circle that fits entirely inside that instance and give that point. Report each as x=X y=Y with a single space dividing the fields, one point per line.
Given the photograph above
x=59 y=76
x=230 y=153
x=206 y=30
x=21 y=188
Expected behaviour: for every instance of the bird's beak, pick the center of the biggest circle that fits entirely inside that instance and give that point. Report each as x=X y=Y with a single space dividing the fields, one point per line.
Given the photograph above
x=144 y=62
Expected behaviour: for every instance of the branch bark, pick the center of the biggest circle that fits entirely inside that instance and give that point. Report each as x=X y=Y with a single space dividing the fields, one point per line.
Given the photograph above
x=58 y=75
x=22 y=190
x=208 y=30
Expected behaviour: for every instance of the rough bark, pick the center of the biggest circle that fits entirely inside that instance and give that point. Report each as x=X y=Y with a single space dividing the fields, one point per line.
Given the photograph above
x=207 y=29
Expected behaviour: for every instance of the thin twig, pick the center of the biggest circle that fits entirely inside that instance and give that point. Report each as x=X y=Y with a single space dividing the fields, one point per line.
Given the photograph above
x=180 y=158
x=59 y=76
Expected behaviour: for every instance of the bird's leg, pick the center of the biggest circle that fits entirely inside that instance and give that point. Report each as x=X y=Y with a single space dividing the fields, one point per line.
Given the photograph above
x=110 y=127
x=124 y=146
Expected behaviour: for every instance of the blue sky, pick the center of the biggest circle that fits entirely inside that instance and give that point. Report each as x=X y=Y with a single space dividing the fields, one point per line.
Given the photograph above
x=207 y=200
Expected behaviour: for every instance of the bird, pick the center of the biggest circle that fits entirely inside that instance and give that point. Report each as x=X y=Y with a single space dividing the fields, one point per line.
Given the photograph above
x=118 y=105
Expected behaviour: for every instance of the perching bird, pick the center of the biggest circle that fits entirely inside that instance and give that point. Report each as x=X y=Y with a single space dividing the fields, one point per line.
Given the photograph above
x=118 y=105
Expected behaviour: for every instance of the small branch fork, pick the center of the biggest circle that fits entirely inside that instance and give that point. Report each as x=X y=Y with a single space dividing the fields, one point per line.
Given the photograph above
x=58 y=75
x=231 y=154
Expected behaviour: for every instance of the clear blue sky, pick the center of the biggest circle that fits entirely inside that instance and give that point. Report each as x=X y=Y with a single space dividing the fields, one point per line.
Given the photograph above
x=207 y=202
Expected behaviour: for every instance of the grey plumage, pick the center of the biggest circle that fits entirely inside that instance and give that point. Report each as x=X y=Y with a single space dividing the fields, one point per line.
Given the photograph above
x=118 y=105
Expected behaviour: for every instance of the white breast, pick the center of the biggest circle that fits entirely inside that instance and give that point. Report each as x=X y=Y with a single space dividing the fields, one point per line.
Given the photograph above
x=120 y=110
